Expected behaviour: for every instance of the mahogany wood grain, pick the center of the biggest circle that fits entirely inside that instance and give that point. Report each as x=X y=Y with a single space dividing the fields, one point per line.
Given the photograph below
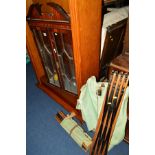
x=55 y=26
x=63 y=3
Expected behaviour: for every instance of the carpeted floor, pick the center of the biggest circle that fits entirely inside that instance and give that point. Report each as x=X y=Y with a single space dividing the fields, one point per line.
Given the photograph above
x=44 y=134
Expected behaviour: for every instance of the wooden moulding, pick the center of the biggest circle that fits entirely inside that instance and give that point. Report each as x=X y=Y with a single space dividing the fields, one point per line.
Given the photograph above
x=49 y=11
x=69 y=97
x=63 y=3
x=55 y=26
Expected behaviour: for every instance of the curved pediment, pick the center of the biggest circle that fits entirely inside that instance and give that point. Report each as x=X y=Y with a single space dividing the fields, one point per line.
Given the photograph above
x=50 y=11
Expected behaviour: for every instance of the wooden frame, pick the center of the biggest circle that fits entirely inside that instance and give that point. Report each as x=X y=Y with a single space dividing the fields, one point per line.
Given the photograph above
x=109 y=113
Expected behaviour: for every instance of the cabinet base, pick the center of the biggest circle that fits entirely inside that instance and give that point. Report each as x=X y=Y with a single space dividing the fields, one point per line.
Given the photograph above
x=60 y=100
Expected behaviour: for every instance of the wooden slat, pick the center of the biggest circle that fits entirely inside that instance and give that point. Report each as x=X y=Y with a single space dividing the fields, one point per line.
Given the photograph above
x=107 y=127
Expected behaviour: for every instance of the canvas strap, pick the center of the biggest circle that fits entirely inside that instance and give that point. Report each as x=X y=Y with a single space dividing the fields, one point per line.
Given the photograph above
x=73 y=128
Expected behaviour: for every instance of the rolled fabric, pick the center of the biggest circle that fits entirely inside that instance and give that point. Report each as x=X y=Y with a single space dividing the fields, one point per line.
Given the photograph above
x=77 y=133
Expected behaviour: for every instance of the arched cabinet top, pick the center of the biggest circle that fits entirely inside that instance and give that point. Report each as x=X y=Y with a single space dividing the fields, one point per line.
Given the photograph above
x=49 y=12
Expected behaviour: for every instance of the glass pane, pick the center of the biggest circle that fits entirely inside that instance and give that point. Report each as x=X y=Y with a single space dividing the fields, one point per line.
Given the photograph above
x=43 y=44
x=63 y=43
x=67 y=38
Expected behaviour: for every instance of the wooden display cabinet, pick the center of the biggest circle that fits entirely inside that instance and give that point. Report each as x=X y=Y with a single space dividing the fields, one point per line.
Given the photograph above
x=64 y=47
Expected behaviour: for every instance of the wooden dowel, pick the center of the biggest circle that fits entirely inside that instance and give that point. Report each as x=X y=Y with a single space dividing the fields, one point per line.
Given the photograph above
x=111 y=85
x=116 y=86
x=120 y=90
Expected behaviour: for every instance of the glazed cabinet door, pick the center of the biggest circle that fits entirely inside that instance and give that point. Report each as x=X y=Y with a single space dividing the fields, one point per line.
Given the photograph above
x=46 y=53
x=62 y=47
x=56 y=51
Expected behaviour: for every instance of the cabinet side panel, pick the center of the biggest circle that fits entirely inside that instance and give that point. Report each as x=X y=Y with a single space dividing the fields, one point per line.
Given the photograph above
x=33 y=53
x=86 y=30
x=76 y=42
